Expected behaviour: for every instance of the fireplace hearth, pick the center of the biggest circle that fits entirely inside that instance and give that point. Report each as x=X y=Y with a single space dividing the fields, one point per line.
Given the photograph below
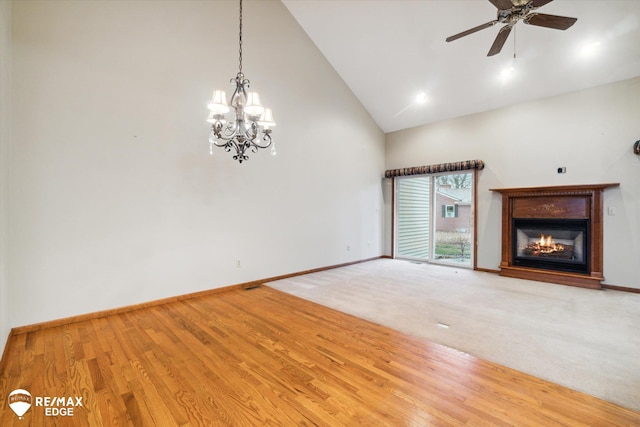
x=553 y=234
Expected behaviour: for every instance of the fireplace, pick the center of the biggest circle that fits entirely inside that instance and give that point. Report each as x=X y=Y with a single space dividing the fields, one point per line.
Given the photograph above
x=551 y=244
x=553 y=234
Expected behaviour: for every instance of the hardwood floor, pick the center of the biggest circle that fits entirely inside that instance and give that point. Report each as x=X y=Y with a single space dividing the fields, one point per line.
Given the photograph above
x=262 y=357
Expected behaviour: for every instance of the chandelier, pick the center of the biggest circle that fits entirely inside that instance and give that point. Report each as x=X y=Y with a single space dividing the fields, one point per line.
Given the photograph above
x=251 y=128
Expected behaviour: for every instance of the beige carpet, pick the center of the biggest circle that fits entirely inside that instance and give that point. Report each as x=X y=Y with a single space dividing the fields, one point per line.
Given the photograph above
x=584 y=339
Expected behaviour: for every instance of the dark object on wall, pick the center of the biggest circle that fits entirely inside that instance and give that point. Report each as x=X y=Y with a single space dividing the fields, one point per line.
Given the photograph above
x=636 y=147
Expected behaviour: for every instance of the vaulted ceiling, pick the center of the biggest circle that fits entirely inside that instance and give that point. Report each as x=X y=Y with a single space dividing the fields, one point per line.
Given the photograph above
x=391 y=51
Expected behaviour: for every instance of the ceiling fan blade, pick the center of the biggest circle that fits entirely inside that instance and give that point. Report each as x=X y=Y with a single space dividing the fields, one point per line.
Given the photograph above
x=502 y=4
x=540 y=3
x=471 y=31
x=549 y=21
x=501 y=38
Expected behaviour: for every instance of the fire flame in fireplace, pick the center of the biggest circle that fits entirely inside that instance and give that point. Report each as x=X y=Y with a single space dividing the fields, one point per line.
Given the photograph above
x=546 y=241
x=546 y=245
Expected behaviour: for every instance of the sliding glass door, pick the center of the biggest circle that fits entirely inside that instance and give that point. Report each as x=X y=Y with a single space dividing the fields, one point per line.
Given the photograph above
x=413 y=217
x=434 y=218
x=453 y=219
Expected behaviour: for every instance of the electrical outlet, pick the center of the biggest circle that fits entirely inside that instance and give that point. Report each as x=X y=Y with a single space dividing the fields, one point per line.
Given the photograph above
x=237 y=263
x=611 y=210
x=348 y=248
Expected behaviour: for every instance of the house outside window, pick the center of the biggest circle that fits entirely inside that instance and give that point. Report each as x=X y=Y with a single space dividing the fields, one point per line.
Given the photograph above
x=449 y=211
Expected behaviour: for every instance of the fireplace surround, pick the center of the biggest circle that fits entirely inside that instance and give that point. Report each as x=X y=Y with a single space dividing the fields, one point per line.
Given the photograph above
x=553 y=234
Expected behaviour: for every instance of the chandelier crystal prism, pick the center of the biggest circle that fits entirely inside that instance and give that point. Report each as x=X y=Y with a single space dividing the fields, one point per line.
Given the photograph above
x=251 y=128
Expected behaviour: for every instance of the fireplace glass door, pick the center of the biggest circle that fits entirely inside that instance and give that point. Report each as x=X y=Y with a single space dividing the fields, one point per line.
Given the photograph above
x=552 y=244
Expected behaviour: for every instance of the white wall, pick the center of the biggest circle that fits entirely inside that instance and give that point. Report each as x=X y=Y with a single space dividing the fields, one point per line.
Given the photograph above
x=5 y=118
x=590 y=132
x=114 y=198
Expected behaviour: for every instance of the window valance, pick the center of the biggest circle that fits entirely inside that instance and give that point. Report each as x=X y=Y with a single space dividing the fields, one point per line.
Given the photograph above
x=442 y=167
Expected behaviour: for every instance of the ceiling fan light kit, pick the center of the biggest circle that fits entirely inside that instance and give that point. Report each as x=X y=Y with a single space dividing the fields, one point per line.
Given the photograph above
x=512 y=11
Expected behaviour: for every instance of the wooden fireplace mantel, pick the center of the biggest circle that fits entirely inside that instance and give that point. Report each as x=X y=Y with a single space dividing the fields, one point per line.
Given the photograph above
x=558 y=202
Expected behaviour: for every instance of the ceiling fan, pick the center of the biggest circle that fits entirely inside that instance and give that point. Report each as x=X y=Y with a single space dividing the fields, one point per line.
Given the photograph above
x=510 y=12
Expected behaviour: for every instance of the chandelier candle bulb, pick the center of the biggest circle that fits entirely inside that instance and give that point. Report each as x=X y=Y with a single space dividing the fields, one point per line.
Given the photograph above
x=212 y=118
x=254 y=109
x=218 y=104
x=266 y=120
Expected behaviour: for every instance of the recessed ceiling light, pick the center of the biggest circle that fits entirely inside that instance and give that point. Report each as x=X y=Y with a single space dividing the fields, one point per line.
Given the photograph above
x=421 y=98
x=590 y=49
x=507 y=72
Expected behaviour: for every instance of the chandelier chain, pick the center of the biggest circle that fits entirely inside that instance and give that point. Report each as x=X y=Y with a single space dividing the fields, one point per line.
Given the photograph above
x=240 y=38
